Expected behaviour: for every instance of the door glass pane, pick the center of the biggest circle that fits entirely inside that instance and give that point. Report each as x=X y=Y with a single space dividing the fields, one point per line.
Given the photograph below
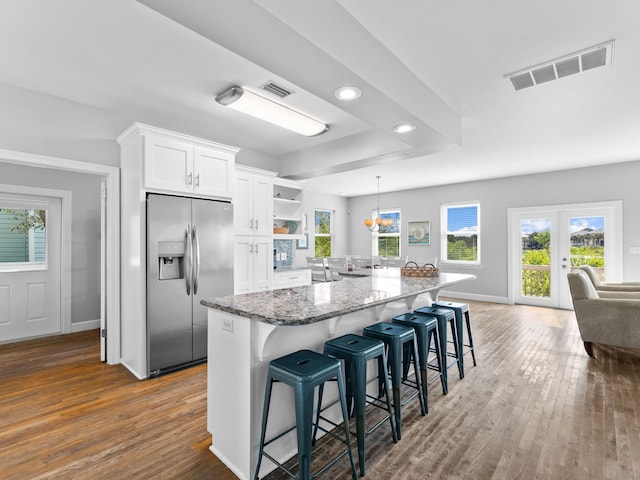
x=23 y=236
x=536 y=263
x=586 y=235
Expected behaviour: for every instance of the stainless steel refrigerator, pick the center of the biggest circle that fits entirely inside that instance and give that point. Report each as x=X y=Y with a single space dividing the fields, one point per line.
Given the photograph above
x=189 y=257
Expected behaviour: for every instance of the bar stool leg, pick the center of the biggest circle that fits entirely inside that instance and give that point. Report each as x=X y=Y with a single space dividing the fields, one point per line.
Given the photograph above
x=304 y=420
x=456 y=333
x=345 y=416
x=473 y=352
x=436 y=343
x=396 y=380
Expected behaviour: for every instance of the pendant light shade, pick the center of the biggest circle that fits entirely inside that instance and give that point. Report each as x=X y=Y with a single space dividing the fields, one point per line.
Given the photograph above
x=251 y=103
x=374 y=224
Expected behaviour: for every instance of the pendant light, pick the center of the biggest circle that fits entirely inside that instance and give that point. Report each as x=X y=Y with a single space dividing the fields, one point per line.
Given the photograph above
x=374 y=224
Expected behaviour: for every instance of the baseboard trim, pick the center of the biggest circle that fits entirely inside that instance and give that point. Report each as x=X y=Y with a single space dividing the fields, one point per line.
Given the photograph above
x=86 y=325
x=475 y=296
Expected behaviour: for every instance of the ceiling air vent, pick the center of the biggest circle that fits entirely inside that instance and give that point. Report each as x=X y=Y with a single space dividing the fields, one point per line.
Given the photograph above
x=276 y=89
x=593 y=57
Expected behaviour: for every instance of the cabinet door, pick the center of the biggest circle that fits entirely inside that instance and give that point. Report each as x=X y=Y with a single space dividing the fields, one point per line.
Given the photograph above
x=213 y=173
x=168 y=165
x=243 y=205
x=263 y=206
x=242 y=264
x=262 y=263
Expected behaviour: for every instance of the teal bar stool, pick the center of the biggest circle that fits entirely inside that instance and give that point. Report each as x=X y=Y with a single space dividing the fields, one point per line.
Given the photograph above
x=357 y=351
x=305 y=370
x=461 y=310
x=426 y=328
x=445 y=316
x=395 y=337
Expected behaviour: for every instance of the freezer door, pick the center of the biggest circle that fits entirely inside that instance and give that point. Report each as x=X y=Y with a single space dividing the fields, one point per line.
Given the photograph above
x=169 y=306
x=213 y=223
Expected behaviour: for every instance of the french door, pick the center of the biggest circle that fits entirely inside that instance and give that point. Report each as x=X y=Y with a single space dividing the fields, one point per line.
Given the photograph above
x=548 y=242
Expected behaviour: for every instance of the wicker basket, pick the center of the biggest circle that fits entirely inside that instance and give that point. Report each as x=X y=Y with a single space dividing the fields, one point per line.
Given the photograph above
x=412 y=269
x=281 y=230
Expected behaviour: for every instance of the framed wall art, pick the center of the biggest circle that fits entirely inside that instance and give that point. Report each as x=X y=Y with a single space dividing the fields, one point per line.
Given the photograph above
x=303 y=243
x=419 y=233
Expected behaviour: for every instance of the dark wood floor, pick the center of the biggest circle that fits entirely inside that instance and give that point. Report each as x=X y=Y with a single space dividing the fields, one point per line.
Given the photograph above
x=536 y=407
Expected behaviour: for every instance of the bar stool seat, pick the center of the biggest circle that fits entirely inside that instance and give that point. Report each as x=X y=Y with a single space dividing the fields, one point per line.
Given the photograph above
x=395 y=337
x=445 y=316
x=305 y=370
x=426 y=328
x=357 y=351
x=461 y=310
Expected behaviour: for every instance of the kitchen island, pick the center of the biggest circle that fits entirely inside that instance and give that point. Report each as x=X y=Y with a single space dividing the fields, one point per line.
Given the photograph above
x=246 y=332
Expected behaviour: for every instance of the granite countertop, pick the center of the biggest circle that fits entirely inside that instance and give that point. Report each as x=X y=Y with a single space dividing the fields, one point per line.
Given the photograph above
x=320 y=301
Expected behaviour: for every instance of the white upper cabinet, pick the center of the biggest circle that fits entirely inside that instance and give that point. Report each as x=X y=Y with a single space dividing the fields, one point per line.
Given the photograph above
x=213 y=172
x=183 y=165
x=252 y=203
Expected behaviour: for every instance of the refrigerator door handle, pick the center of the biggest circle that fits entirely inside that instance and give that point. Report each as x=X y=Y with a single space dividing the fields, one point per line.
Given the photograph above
x=188 y=247
x=196 y=262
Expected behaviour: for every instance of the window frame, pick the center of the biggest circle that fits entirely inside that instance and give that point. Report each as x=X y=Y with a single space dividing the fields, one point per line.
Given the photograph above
x=375 y=250
x=315 y=228
x=11 y=203
x=444 y=233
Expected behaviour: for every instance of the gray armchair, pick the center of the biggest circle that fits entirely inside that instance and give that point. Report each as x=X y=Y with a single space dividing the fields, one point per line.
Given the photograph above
x=610 y=318
x=609 y=286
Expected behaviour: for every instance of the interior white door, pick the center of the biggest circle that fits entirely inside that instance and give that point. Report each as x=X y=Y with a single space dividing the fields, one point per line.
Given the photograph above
x=30 y=286
x=548 y=242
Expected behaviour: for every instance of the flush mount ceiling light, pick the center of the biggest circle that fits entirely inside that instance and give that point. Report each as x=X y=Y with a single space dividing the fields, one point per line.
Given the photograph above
x=347 y=93
x=404 y=128
x=592 y=57
x=251 y=103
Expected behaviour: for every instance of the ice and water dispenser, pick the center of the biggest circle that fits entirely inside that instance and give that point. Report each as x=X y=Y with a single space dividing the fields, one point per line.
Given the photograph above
x=170 y=260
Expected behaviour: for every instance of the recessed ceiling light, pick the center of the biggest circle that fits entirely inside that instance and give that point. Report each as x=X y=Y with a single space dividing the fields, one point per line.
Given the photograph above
x=347 y=93
x=404 y=128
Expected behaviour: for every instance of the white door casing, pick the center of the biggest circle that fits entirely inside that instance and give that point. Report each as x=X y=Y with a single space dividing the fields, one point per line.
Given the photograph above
x=112 y=180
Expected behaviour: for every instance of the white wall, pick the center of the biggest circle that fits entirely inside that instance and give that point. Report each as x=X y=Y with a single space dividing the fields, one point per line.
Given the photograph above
x=611 y=182
x=85 y=230
x=338 y=206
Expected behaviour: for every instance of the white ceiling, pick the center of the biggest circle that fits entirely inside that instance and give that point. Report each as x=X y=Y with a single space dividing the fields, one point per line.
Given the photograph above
x=437 y=64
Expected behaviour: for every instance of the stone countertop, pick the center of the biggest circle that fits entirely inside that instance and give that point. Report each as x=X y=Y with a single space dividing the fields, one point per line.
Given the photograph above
x=321 y=301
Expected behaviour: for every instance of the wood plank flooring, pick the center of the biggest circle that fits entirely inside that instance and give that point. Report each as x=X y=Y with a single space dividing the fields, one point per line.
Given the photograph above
x=535 y=407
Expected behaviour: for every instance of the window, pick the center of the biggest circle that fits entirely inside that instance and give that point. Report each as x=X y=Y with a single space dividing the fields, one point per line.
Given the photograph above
x=386 y=241
x=323 y=233
x=460 y=227
x=22 y=236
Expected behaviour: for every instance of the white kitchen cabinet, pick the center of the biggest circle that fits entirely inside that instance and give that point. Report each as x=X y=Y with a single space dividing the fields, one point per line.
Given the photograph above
x=291 y=278
x=253 y=209
x=253 y=263
x=253 y=228
x=175 y=163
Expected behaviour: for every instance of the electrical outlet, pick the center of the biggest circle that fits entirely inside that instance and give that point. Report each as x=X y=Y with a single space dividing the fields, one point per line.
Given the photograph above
x=634 y=250
x=227 y=325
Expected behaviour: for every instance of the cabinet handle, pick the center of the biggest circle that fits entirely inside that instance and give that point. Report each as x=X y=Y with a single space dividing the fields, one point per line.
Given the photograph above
x=190 y=179
x=251 y=248
x=256 y=224
x=251 y=224
x=256 y=248
x=198 y=180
